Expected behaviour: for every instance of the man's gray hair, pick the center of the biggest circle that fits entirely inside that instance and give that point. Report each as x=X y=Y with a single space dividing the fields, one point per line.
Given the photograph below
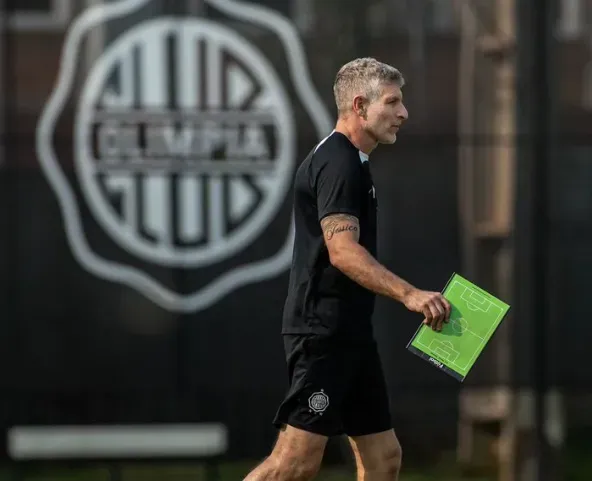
x=363 y=76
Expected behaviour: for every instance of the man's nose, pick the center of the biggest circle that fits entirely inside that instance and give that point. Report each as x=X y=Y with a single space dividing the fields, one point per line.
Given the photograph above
x=403 y=114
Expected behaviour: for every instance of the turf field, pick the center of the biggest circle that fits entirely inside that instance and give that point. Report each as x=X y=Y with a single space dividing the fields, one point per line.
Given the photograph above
x=234 y=472
x=577 y=468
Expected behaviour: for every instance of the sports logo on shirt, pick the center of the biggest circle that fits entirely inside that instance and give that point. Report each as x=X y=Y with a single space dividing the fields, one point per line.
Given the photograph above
x=318 y=402
x=184 y=149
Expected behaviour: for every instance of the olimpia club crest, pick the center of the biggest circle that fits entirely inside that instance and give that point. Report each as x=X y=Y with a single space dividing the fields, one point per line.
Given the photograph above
x=184 y=148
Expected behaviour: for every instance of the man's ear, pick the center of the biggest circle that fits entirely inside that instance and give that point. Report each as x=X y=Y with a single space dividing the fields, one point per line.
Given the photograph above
x=359 y=106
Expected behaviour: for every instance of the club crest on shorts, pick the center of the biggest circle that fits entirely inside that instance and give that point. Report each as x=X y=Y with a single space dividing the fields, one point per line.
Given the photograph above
x=318 y=402
x=184 y=146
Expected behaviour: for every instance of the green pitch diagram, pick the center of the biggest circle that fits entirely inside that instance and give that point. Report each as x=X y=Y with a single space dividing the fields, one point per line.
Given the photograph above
x=475 y=316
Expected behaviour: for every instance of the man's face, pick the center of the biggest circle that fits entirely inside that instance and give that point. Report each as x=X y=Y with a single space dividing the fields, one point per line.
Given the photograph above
x=385 y=114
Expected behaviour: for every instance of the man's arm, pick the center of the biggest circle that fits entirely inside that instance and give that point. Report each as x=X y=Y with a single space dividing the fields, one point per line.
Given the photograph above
x=341 y=233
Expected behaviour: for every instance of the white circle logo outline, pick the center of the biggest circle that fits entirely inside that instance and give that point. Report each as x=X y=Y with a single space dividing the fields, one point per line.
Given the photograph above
x=123 y=234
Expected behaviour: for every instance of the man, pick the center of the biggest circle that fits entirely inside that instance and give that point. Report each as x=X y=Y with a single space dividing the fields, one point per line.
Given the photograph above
x=336 y=381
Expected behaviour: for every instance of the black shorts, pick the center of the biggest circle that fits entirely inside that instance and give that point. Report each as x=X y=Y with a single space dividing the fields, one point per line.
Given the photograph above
x=336 y=387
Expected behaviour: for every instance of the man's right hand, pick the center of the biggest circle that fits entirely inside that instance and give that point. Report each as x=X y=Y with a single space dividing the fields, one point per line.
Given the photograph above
x=433 y=305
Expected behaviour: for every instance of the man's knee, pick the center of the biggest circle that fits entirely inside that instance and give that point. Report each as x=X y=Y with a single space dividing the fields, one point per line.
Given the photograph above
x=380 y=454
x=295 y=468
x=285 y=468
x=297 y=455
x=390 y=459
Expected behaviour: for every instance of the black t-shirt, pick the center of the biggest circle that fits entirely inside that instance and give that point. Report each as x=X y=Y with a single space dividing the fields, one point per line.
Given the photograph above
x=334 y=178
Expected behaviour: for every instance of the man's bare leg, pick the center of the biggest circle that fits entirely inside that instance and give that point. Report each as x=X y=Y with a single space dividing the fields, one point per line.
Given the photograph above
x=297 y=456
x=378 y=456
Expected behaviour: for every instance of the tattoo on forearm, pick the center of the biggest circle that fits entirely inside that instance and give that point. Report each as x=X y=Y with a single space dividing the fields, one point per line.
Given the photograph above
x=338 y=223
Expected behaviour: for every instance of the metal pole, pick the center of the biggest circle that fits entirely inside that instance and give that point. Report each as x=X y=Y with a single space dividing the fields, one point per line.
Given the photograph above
x=541 y=148
x=536 y=113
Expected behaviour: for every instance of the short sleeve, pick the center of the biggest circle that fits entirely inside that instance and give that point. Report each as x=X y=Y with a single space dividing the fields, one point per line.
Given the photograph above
x=338 y=188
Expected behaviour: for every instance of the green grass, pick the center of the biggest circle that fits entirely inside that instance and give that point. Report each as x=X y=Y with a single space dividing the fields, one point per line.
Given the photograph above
x=577 y=464
x=192 y=472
